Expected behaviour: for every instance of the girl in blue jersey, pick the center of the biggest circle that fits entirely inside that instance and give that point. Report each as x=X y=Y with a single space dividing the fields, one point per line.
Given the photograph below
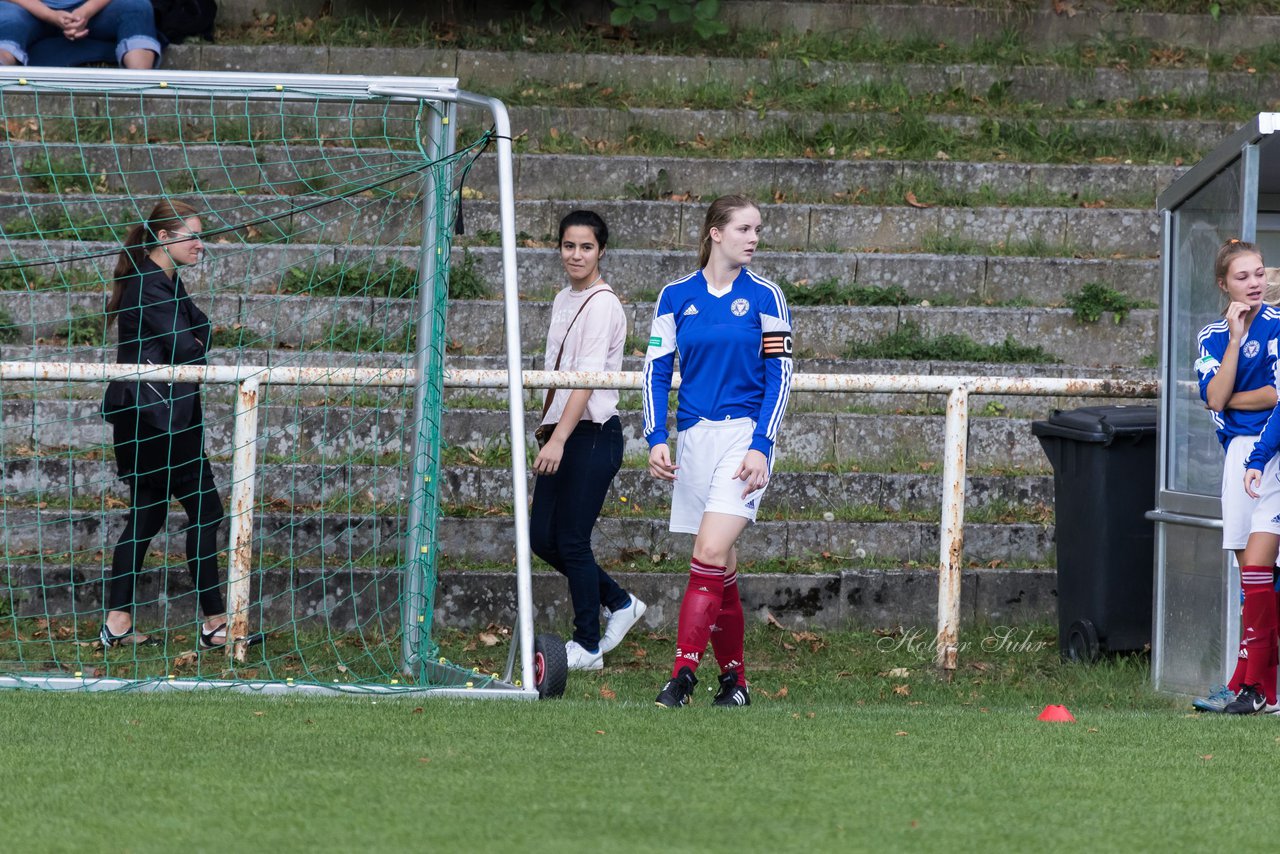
x=584 y=451
x=1237 y=374
x=732 y=330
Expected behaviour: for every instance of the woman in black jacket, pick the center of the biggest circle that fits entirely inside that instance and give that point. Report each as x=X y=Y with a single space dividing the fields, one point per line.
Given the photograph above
x=159 y=426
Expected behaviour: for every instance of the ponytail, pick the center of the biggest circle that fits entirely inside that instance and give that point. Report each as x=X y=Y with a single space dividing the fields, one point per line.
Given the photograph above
x=127 y=264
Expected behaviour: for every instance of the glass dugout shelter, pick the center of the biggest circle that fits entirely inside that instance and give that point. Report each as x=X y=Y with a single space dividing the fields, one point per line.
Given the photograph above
x=1233 y=192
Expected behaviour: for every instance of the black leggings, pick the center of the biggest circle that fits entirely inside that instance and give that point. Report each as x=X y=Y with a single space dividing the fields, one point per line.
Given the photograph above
x=148 y=513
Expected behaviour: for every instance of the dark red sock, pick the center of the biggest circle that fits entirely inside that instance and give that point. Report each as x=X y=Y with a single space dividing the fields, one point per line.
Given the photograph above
x=730 y=628
x=698 y=611
x=1258 y=625
x=1269 y=683
x=1268 y=687
x=1236 y=682
x=1242 y=664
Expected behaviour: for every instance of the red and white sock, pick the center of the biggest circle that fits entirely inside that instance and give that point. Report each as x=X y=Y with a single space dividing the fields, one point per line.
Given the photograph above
x=698 y=611
x=1258 y=627
x=728 y=633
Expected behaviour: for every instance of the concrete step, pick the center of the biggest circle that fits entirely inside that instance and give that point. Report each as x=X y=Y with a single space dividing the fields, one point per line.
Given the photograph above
x=1038 y=28
x=356 y=434
x=655 y=224
x=501 y=71
x=346 y=598
x=62 y=482
x=967 y=279
x=490 y=539
x=606 y=127
x=287 y=169
x=603 y=127
x=551 y=176
x=636 y=274
x=154 y=168
x=476 y=326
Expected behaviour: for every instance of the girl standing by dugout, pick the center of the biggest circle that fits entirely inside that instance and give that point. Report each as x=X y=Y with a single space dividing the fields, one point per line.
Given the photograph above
x=582 y=450
x=1237 y=373
x=732 y=330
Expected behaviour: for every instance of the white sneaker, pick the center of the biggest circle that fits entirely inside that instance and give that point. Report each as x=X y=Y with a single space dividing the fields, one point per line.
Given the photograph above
x=580 y=659
x=620 y=622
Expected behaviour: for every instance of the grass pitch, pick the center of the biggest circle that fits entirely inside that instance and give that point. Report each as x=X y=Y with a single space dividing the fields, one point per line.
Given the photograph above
x=851 y=743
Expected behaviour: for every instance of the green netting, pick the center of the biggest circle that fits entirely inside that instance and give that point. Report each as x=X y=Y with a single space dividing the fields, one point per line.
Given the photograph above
x=323 y=219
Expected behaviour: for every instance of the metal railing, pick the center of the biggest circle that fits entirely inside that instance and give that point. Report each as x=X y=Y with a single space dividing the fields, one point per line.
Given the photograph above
x=250 y=378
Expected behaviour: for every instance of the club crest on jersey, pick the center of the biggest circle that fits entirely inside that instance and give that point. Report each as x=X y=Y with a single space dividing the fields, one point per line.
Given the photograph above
x=1250 y=349
x=739 y=307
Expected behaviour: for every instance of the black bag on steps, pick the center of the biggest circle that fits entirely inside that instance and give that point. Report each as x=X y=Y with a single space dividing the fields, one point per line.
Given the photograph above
x=183 y=19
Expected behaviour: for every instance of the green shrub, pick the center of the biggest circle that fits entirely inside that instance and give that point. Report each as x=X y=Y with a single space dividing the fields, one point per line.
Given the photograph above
x=832 y=292
x=365 y=278
x=9 y=331
x=909 y=342
x=87 y=330
x=1095 y=298
x=465 y=280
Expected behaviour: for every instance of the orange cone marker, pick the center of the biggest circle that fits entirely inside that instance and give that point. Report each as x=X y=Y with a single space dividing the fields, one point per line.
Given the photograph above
x=1056 y=714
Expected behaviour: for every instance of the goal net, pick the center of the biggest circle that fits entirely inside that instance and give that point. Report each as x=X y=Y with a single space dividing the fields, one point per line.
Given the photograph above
x=327 y=207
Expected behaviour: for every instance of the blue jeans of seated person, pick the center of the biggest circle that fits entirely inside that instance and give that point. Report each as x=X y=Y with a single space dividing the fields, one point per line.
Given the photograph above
x=565 y=508
x=127 y=24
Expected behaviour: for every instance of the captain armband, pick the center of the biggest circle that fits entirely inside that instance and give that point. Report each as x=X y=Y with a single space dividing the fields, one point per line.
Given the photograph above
x=776 y=345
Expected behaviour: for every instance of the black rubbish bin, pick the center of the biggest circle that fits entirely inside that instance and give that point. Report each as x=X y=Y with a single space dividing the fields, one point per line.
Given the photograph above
x=1104 y=482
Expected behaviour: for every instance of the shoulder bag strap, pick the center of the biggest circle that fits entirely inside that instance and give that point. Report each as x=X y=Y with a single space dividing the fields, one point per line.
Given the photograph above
x=551 y=392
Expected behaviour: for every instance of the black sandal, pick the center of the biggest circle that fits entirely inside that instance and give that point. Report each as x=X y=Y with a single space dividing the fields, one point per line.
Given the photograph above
x=208 y=642
x=109 y=640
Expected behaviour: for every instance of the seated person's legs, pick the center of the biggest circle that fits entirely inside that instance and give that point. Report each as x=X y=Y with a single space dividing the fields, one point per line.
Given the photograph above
x=131 y=25
x=18 y=30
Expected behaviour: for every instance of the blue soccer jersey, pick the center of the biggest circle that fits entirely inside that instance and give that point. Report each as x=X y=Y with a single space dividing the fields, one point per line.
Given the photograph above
x=735 y=356
x=1256 y=368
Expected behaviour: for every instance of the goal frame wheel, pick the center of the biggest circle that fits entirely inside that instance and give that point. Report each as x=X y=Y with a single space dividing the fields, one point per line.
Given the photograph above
x=550 y=666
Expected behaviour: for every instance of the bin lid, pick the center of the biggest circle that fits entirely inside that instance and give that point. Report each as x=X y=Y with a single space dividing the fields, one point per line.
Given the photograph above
x=1098 y=424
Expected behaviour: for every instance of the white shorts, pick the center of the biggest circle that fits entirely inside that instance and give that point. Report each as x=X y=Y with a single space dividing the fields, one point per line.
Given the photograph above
x=1241 y=514
x=708 y=455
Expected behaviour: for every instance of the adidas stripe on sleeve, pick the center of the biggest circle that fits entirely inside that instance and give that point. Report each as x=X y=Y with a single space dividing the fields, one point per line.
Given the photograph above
x=775 y=348
x=659 y=366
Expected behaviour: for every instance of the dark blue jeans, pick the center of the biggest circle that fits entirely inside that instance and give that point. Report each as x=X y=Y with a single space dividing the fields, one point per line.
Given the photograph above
x=123 y=24
x=565 y=508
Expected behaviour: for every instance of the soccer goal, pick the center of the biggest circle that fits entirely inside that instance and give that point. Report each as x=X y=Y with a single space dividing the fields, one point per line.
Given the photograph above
x=328 y=206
